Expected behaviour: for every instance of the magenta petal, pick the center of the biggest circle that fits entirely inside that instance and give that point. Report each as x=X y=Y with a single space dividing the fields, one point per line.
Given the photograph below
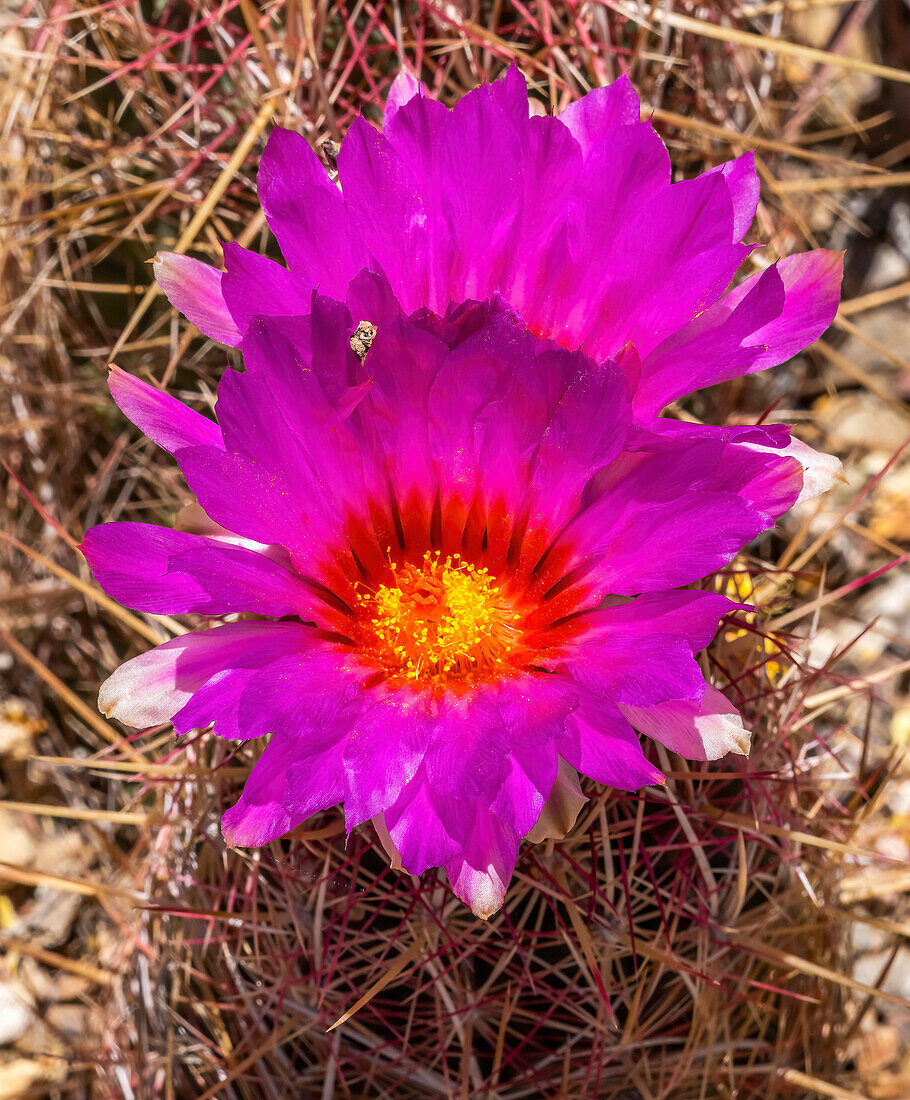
x=311 y=695
x=602 y=110
x=427 y=828
x=486 y=410
x=669 y=516
x=601 y=744
x=395 y=226
x=301 y=356
x=811 y=283
x=282 y=411
x=702 y=730
x=402 y=89
x=383 y=752
x=761 y=465
x=508 y=92
x=255 y=286
x=307 y=214
x=764 y=321
x=525 y=790
x=287 y=785
x=404 y=363
x=692 y=614
x=743 y=181
x=493 y=184
x=153 y=687
x=480 y=874
x=534 y=707
x=668 y=260
x=259 y=503
x=587 y=430
x=170 y=572
x=469 y=757
x=194 y=288
x=164 y=419
x=676 y=544
x=639 y=671
x=308 y=702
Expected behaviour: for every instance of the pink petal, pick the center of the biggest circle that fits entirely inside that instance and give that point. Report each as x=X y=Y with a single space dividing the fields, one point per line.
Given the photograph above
x=383 y=753
x=194 y=288
x=287 y=785
x=402 y=89
x=255 y=286
x=742 y=179
x=425 y=828
x=387 y=209
x=601 y=744
x=820 y=471
x=698 y=731
x=526 y=788
x=692 y=614
x=169 y=572
x=307 y=214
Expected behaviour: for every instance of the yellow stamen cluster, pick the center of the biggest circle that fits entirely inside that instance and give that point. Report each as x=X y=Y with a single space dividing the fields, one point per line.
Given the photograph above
x=443 y=616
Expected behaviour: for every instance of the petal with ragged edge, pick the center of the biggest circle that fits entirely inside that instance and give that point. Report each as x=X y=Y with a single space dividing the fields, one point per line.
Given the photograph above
x=255 y=286
x=820 y=470
x=307 y=214
x=526 y=788
x=382 y=755
x=287 y=785
x=395 y=227
x=764 y=321
x=424 y=827
x=698 y=731
x=691 y=614
x=402 y=89
x=742 y=180
x=764 y=465
x=591 y=118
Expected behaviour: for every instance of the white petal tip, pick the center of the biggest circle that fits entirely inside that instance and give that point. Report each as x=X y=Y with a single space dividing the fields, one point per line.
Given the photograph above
x=820 y=472
x=722 y=734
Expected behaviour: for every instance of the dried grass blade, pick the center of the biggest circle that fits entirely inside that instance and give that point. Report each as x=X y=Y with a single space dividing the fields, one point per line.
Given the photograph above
x=788 y=961
x=206 y=207
x=390 y=975
x=80 y=813
x=86 y=714
x=53 y=959
x=764 y=42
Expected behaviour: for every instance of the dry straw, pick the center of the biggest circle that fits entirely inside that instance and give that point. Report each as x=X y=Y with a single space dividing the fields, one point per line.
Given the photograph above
x=740 y=934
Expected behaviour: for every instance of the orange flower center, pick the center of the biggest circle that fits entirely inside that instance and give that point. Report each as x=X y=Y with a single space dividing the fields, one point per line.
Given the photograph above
x=441 y=619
